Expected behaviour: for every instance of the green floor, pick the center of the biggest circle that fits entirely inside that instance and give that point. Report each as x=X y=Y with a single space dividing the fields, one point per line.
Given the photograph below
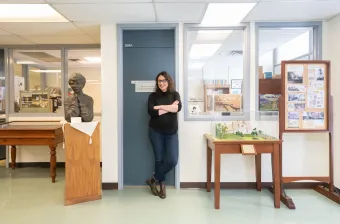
x=28 y=196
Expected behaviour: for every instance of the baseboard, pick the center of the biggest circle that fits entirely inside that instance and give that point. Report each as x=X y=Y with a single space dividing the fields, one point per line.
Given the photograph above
x=249 y=185
x=40 y=164
x=110 y=186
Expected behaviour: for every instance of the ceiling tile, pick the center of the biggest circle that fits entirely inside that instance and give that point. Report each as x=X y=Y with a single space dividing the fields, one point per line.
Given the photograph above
x=97 y=1
x=29 y=29
x=77 y=39
x=91 y=29
x=185 y=12
x=2 y=32
x=277 y=10
x=21 y=1
x=13 y=40
x=107 y=13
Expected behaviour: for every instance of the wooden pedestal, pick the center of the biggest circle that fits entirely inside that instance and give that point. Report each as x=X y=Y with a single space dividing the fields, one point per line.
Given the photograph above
x=82 y=166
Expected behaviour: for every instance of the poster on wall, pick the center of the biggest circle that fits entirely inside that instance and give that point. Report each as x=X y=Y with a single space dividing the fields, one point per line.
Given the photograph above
x=306 y=92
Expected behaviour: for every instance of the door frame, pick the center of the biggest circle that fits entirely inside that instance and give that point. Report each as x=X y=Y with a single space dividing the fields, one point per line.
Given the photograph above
x=120 y=29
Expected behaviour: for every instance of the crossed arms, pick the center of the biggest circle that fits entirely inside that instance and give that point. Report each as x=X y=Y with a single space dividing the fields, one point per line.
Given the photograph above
x=163 y=109
x=158 y=110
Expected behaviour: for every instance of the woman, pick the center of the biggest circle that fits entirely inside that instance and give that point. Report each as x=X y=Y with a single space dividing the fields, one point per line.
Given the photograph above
x=163 y=106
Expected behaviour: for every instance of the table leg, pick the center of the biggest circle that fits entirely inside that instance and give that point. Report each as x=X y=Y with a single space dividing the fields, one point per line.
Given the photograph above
x=258 y=171
x=13 y=156
x=209 y=158
x=276 y=175
x=217 y=178
x=53 y=162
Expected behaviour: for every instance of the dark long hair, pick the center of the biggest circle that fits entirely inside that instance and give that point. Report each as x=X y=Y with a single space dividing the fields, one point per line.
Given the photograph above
x=166 y=75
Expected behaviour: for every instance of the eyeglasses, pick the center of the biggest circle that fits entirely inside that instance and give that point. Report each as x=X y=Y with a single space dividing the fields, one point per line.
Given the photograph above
x=162 y=81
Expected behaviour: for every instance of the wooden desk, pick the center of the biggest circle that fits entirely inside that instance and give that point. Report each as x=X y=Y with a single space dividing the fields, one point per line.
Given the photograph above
x=32 y=133
x=234 y=147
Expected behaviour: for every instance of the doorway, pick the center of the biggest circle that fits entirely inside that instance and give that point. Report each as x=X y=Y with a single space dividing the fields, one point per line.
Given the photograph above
x=145 y=53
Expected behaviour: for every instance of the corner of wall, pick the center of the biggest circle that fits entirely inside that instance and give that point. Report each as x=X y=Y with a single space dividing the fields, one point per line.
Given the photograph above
x=109 y=77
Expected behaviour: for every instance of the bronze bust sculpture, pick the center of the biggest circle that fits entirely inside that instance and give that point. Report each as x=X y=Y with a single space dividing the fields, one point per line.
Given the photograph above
x=80 y=104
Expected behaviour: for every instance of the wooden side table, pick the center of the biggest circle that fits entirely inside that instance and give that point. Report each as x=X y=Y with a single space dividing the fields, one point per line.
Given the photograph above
x=235 y=147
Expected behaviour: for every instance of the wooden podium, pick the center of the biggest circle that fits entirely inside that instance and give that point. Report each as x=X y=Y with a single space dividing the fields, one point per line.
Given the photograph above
x=82 y=165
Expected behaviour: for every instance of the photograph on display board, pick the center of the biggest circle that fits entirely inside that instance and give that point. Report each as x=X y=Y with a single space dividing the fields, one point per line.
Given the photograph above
x=305 y=96
x=297 y=97
x=296 y=107
x=296 y=88
x=295 y=74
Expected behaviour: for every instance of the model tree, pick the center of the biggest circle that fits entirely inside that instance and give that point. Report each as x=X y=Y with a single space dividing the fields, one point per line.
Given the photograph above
x=254 y=132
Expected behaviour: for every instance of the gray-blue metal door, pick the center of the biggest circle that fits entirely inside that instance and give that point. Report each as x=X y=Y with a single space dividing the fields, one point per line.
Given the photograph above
x=145 y=54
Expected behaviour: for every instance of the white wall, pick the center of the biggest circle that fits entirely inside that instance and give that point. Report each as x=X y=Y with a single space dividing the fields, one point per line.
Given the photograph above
x=109 y=79
x=331 y=51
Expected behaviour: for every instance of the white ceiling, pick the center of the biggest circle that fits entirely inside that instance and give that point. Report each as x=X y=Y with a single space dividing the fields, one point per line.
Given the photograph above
x=86 y=15
x=19 y=55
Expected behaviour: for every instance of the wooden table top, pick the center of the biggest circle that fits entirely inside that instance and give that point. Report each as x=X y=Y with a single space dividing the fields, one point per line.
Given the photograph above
x=30 y=125
x=214 y=140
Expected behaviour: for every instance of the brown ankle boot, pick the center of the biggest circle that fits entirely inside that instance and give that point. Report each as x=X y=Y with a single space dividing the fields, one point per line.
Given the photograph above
x=162 y=191
x=152 y=183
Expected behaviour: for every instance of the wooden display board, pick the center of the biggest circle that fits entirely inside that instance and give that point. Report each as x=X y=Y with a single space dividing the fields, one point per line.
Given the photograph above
x=306 y=106
x=305 y=88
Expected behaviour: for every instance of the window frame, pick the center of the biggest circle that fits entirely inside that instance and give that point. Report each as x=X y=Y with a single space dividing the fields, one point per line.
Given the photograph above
x=9 y=74
x=315 y=50
x=245 y=115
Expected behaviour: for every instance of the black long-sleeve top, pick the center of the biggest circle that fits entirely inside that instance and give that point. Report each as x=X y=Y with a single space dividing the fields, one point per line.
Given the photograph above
x=166 y=123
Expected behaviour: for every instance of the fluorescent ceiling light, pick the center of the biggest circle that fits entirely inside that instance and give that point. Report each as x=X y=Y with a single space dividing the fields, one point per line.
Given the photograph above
x=203 y=50
x=226 y=14
x=29 y=13
x=93 y=59
x=25 y=62
x=45 y=71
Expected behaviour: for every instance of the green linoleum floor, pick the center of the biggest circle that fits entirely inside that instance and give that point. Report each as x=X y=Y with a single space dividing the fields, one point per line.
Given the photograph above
x=27 y=195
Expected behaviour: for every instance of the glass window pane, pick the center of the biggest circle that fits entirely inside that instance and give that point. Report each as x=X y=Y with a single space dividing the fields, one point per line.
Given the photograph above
x=276 y=45
x=294 y=48
x=215 y=72
x=37 y=81
x=266 y=61
x=87 y=62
